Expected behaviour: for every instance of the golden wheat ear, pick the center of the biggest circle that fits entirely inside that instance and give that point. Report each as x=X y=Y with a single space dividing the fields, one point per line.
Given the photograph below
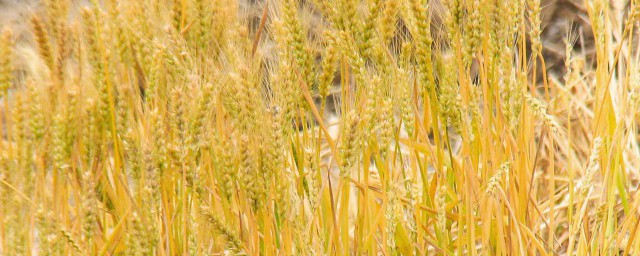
x=320 y=127
x=6 y=61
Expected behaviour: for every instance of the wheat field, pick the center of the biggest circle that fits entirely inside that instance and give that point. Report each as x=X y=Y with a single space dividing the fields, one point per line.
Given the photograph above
x=320 y=127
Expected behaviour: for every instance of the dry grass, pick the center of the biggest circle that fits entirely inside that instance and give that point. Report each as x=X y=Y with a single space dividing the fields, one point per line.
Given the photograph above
x=339 y=127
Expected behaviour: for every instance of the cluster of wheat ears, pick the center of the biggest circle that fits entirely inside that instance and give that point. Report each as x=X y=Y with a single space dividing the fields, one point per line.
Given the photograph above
x=326 y=127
